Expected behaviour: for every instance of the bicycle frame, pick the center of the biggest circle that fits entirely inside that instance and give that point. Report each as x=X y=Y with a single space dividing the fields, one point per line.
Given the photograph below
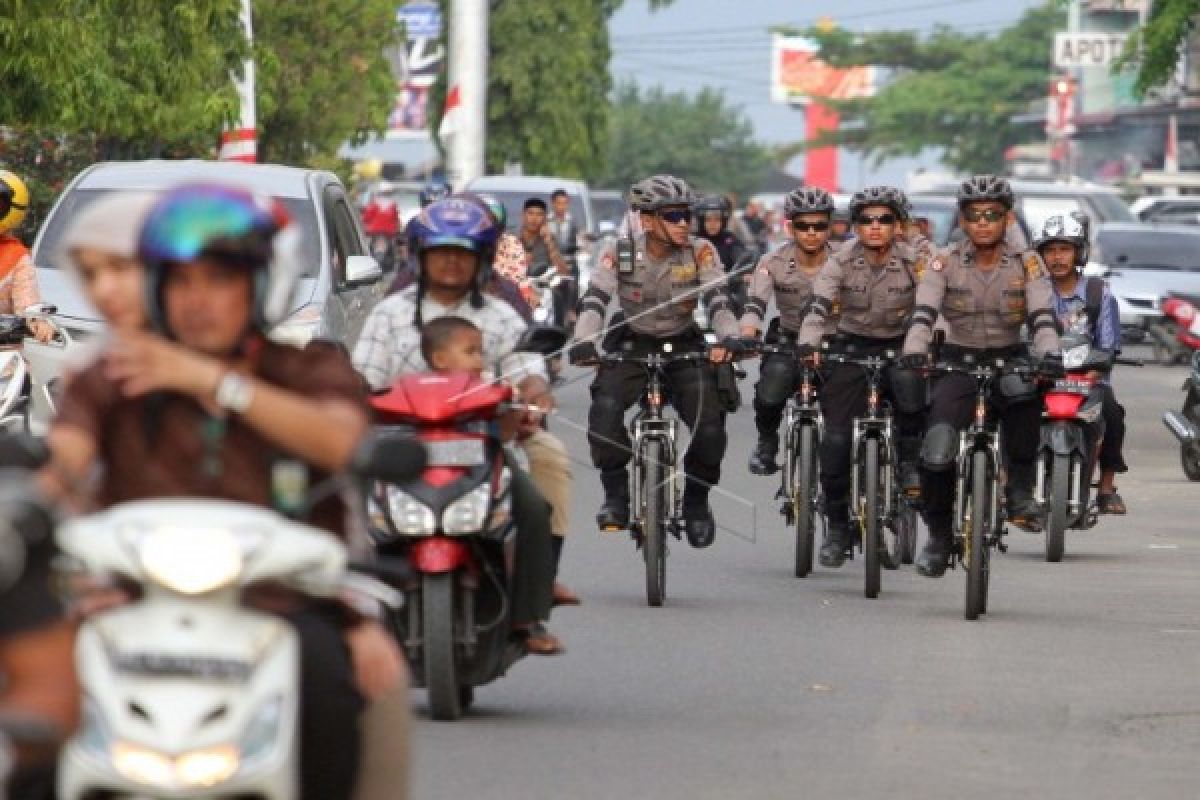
x=648 y=424
x=980 y=435
x=877 y=423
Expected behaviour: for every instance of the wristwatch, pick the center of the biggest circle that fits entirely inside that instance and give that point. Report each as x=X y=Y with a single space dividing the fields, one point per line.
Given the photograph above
x=234 y=393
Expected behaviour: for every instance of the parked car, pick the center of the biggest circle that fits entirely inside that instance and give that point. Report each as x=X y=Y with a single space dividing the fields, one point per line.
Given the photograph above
x=1142 y=263
x=610 y=206
x=1039 y=200
x=942 y=213
x=340 y=283
x=1183 y=210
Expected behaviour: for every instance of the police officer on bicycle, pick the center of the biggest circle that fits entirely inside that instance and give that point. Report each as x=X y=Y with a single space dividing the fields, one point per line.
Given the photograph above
x=985 y=291
x=658 y=278
x=874 y=282
x=787 y=274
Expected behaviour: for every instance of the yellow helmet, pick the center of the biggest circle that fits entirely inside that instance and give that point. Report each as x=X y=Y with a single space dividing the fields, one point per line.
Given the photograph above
x=14 y=201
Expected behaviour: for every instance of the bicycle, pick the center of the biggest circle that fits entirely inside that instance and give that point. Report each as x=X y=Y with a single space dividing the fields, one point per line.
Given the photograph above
x=978 y=524
x=877 y=497
x=799 y=488
x=655 y=491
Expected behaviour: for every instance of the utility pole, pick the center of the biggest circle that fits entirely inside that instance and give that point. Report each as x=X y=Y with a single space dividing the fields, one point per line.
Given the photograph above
x=240 y=143
x=465 y=121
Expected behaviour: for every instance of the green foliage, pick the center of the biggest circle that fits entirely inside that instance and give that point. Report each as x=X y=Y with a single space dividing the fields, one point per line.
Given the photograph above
x=701 y=139
x=1156 y=46
x=548 y=85
x=951 y=91
x=322 y=75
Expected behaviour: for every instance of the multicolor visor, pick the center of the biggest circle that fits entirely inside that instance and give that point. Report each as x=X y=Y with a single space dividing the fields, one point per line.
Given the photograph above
x=189 y=219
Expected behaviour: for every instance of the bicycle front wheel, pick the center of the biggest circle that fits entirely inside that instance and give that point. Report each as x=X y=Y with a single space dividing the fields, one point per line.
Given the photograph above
x=654 y=544
x=803 y=490
x=870 y=516
x=976 y=554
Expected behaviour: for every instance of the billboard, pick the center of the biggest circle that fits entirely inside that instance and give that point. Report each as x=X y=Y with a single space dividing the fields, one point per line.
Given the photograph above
x=416 y=67
x=799 y=77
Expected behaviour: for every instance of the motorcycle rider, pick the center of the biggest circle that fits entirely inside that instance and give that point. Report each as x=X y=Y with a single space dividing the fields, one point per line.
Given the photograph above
x=787 y=274
x=1086 y=301
x=18 y=278
x=433 y=192
x=712 y=224
x=874 y=283
x=454 y=241
x=657 y=278
x=985 y=292
x=840 y=229
x=203 y=404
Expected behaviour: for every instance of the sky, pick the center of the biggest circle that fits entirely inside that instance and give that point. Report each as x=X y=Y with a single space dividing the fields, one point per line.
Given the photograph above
x=726 y=44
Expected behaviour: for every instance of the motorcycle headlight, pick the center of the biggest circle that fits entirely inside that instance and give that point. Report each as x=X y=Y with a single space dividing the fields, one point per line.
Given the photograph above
x=195 y=770
x=409 y=515
x=191 y=561
x=1076 y=357
x=468 y=513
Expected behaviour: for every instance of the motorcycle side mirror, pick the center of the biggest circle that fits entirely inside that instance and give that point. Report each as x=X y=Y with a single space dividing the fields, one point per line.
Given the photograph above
x=389 y=458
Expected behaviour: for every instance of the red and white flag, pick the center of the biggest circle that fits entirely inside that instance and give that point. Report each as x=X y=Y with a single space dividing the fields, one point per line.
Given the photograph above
x=451 y=114
x=1171 y=157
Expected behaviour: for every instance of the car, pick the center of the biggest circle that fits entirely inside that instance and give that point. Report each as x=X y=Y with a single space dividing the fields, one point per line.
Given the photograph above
x=1037 y=201
x=610 y=207
x=1183 y=210
x=340 y=283
x=942 y=213
x=513 y=190
x=1142 y=262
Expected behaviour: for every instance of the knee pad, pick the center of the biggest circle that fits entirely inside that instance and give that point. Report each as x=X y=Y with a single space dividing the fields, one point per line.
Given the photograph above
x=940 y=447
x=606 y=411
x=910 y=391
x=1013 y=390
x=775 y=381
x=835 y=452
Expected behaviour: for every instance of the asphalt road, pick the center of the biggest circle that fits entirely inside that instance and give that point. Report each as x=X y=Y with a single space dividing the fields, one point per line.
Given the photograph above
x=1082 y=681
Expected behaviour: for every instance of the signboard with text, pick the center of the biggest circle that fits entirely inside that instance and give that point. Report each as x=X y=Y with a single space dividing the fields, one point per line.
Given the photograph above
x=1087 y=49
x=420 y=62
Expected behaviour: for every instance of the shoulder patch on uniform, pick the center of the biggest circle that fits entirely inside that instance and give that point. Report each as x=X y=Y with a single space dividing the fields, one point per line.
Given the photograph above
x=1033 y=265
x=705 y=256
x=937 y=265
x=919 y=268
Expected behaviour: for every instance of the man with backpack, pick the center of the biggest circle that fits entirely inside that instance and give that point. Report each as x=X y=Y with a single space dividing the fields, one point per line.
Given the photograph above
x=1085 y=303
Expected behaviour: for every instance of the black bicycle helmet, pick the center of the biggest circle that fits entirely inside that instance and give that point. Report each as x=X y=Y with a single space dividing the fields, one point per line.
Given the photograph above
x=986 y=188
x=888 y=196
x=808 y=200
x=660 y=191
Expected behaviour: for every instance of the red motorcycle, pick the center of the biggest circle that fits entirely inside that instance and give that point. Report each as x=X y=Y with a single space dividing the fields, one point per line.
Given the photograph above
x=450 y=525
x=1178 y=335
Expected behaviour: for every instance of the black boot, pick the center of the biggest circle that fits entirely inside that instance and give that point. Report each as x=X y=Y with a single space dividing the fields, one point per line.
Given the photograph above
x=837 y=542
x=1022 y=511
x=614 y=514
x=762 y=460
x=935 y=557
x=698 y=521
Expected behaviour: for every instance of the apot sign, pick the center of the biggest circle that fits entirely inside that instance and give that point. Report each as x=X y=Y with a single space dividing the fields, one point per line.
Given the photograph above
x=1087 y=49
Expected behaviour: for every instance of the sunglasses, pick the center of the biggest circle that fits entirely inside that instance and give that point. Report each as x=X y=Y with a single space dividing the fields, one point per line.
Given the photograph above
x=675 y=217
x=882 y=219
x=810 y=227
x=986 y=215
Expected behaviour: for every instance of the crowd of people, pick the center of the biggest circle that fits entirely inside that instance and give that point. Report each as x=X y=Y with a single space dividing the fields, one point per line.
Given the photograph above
x=187 y=395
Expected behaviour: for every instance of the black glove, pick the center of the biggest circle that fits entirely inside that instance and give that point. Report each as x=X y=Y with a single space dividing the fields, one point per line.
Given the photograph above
x=913 y=361
x=583 y=353
x=805 y=352
x=1051 y=364
x=733 y=346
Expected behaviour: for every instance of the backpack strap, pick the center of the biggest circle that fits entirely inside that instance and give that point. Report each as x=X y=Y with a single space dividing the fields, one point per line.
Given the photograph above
x=1093 y=299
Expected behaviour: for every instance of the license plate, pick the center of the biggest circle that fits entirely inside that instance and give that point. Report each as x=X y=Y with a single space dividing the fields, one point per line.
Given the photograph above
x=1078 y=387
x=455 y=453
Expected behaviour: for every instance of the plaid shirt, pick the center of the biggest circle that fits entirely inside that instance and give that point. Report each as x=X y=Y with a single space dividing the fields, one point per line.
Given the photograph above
x=390 y=345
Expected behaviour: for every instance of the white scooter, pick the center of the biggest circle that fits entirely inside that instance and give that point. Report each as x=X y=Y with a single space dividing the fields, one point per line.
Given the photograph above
x=187 y=693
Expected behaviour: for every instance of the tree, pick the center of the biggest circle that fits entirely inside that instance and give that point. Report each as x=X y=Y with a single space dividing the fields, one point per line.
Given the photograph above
x=548 y=85
x=952 y=91
x=701 y=139
x=1156 y=46
x=322 y=75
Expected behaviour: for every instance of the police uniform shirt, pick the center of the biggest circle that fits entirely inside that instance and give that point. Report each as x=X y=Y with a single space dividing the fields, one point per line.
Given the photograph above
x=984 y=309
x=658 y=296
x=780 y=275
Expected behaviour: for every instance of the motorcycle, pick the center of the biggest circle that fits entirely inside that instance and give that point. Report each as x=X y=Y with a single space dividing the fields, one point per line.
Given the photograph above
x=1177 y=335
x=187 y=692
x=552 y=336
x=384 y=249
x=1071 y=428
x=451 y=525
x=1185 y=424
